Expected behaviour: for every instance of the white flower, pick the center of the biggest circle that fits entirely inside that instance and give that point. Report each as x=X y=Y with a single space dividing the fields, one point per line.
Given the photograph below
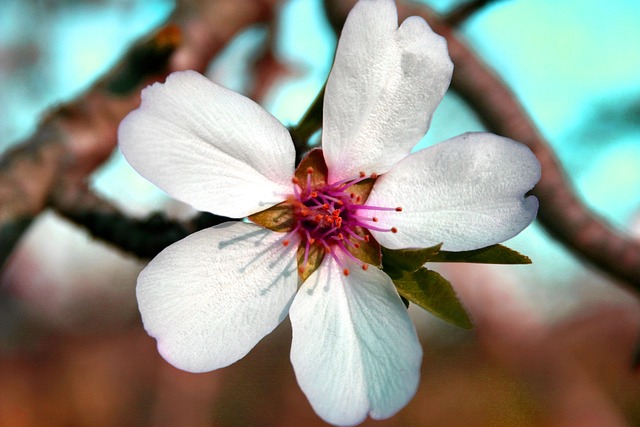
x=211 y=297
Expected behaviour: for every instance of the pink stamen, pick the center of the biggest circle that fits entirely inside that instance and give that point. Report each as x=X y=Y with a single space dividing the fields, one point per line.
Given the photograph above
x=328 y=216
x=355 y=235
x=370 y=227
x=350 y=182
x=378 y=208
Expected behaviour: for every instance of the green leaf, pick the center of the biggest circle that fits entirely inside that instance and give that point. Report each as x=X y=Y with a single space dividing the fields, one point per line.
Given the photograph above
x=434 y=293
x=496 y=254
x=396 y=262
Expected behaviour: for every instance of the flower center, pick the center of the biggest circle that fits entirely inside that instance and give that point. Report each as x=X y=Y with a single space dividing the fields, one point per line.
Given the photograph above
x=332 y=217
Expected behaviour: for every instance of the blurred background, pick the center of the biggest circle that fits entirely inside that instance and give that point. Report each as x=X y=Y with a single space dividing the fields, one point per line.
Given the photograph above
x=553 y=343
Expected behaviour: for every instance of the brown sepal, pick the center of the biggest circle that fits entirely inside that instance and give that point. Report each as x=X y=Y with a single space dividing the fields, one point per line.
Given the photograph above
x=314 y=259
x=361 y=190
x=315 y=161
x=277 y=218
x=368 y=252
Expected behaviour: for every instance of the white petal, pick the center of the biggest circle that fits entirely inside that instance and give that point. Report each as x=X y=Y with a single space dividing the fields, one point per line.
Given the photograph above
x=467 y=193
x=355 y=351
x=385 y=84
x=208 y=146
x=209 y=298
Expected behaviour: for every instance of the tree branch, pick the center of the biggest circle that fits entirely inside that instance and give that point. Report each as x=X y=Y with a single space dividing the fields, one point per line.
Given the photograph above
x=461 y=13
x=77 y=137
x=144 y=238
x=561 y=212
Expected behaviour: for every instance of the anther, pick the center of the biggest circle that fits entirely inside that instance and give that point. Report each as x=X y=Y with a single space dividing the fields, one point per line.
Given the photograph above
x=309 y=170
x=374 y=219
x=365 y=267
x=362 y=174
x=295 y=180
x=345 y=271
x=394 y=230
x=374 y=175
x=398 y=209
x=367 y=238
x=285 y=243
x=313 y=194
